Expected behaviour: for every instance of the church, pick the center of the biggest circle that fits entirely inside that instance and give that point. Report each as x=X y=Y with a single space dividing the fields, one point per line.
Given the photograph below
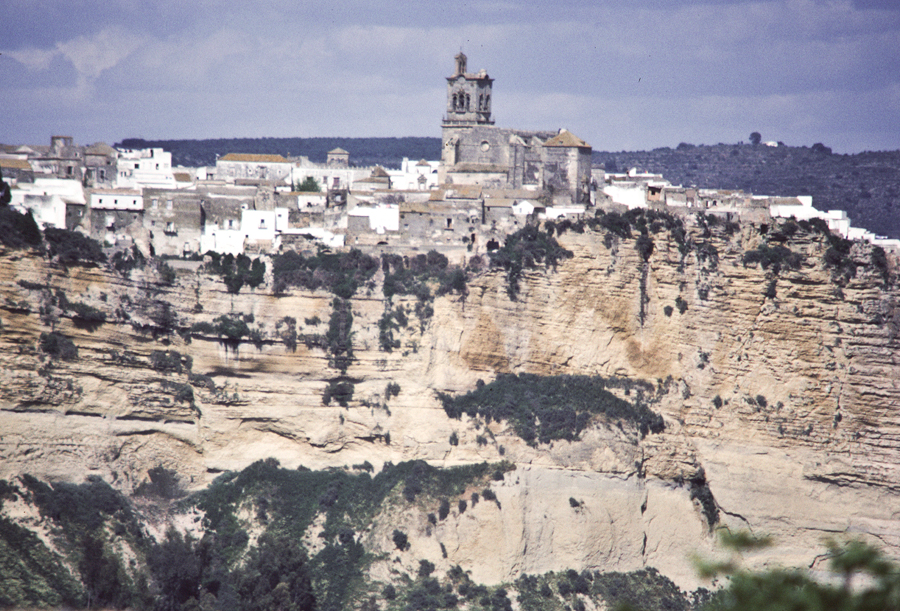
x=475 y=152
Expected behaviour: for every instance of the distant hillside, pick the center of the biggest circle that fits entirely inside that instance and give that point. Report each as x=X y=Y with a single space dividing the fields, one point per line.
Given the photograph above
x=387 y=152
x=866 y=185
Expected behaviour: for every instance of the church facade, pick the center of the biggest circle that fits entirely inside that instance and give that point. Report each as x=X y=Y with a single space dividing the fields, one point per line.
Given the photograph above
x=475 y=151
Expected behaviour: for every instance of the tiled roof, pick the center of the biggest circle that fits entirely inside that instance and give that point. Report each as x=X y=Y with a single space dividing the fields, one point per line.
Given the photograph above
x=18 y=164
x=567 y=139
x=253 y=158
x=182 y=176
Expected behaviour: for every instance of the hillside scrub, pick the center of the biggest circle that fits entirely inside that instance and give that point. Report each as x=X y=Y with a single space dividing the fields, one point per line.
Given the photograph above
x=18 y=230
x=527 y=248
x=545 y=408
x=73 y=248
x=339 y=273
x=236 y=271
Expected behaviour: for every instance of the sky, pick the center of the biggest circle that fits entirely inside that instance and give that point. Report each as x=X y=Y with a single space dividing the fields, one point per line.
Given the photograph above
x=620 y=74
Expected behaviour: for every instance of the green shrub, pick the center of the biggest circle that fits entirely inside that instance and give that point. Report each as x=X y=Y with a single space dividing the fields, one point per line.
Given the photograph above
x=57 y=345
x=544 y=408
x=341 y=273
x=124 y=261
x=166 y=273
x=339 y=337
x=169 y=361
x=286 y=329
x=87 y=314
x=73 y=248
x=401 y=541
x=339 y=390
x=18 y=230
x=236 y=271
x=681 y=304
x=775 y=257
x=526 y=249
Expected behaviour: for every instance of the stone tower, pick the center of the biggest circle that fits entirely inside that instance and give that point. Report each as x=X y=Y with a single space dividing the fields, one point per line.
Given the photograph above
x=468 y=96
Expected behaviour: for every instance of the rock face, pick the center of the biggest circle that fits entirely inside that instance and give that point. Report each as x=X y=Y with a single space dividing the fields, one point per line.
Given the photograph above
x=781 y=407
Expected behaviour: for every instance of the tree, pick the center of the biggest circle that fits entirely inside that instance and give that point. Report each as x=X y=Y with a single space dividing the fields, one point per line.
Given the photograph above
x=755 y=138
x=787 y=588
x=309 y=184
x=5 y=194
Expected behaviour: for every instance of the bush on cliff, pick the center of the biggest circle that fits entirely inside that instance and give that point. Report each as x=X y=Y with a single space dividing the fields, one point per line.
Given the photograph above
x=18 y=230
x=544 y=408
x=339 y=273
x=73 y=248
x=527 y=248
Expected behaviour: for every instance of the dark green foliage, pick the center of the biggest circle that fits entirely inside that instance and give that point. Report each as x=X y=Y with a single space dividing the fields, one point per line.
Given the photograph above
x=776 y=257
x=177 y=570
x=391 y=390
x=230 y=327
x=203 y=381
x=123 y=261
x=526 y=249
x=454 y=439
x=169 y=361
x=386 y=328
x=411 y=275
x=30 y=574
x=444 y=509
x=286 y=329
x=644 y=246
x=18 y=230
x=641 y=589
x=717 y=401
x=276 y=576
x=700 y=492
x=57 y=345
x=166 y=273
x=875 y=585
x=73 y=248
x=339 y=337
x=309 y=184
x=681 y=304
x=401 y=541
x=426 y=568
x=544 y=408
x=31 y=286
x=771 y=289
x=163 y=484
x=668 y=311
x=236 y=271
x=573 y=503
x=389 y=592
x=85 y=316
x=341 y=273
x=340 y=390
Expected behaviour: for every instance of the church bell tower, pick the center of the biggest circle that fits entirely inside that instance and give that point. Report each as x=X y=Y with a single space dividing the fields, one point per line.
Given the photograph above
x=468 y=96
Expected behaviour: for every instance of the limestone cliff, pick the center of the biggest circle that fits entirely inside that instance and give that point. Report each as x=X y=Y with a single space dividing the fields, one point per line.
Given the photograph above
x=778 y=391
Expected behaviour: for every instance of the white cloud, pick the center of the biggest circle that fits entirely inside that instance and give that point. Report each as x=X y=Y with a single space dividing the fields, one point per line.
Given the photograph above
x=91 y=55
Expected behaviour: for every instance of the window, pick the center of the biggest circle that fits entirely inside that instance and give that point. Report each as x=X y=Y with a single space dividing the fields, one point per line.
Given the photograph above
x=262 y=223
x=155 y=203
x=170 y=227
x=168 y=204
x=231 y=223
x=449 y=223
x=69 y=170
x=102 y=174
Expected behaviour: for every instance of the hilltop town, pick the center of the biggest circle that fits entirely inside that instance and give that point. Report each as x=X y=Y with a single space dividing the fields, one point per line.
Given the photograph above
x=489 y=182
